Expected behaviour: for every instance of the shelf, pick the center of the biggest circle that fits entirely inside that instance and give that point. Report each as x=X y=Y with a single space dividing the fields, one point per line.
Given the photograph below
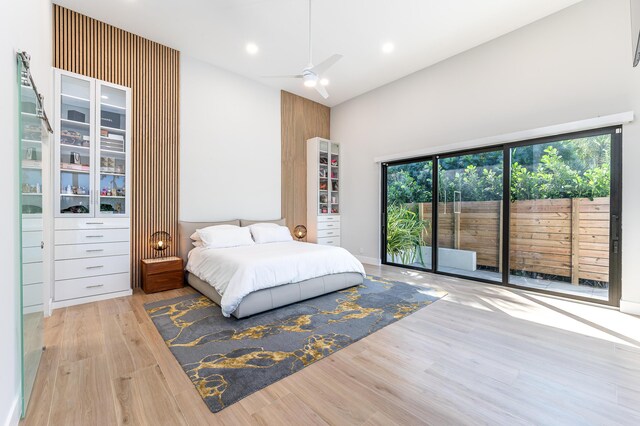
x=112 y=196
x=75 y=195
x=74 y=123
x=63 y=170
x=33 y=193
x=112 y=174
x=29 y=114
x=31 y=141
x=112 y=152
x=78 y=98
x=66 y=145
x=104 y=104
x=113 y=129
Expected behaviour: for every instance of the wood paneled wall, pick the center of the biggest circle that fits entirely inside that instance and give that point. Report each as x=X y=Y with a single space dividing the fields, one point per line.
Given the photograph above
x=302 y=119
x=86 y=46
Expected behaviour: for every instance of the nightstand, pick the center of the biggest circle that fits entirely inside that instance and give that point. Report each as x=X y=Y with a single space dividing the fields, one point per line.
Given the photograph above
x=161 y=274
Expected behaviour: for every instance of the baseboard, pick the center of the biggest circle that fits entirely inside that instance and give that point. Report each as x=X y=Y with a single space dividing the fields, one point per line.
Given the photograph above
x=629 y=307
x=13 y=417
x=369 y=260
x=81 y=300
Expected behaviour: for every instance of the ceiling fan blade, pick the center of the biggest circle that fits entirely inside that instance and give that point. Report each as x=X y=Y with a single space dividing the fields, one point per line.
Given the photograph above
x=326 y=64
x=282 y=76
x=323 y=92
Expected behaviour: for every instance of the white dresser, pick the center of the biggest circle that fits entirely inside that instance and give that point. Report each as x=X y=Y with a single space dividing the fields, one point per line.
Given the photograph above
x=92 y=260
x=92 y=174
x=323 y=192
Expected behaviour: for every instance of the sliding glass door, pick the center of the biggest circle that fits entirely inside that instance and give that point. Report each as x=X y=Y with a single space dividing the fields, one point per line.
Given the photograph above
x=408 y=189
x=561 y=215
x=469 y=214
x=542 y=214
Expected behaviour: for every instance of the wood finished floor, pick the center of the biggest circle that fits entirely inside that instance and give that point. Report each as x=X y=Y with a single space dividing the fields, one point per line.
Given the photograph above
x=482 y=355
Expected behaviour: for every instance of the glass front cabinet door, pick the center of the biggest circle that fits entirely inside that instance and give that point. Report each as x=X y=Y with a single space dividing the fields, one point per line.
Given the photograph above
x=92 y=159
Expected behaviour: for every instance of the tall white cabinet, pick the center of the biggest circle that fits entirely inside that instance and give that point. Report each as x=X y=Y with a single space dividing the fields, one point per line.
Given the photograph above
x=323 y=192
x=92 y=174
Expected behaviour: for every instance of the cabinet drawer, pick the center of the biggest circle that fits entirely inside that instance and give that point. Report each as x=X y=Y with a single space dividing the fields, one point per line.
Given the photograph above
x=328 y=225
x=32 y=273
x=328 y=218
x=91 y=236
x=29 y=224
x=91 y=250
x=328 y=233
x=162 y=282
x=32 y=239
x=32 y=255
x=92 y=223
x=79 y=268
x=329 y=241
x=83 y=287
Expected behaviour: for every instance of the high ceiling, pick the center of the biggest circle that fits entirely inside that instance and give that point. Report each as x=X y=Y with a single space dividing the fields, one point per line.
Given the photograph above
x=423 y=32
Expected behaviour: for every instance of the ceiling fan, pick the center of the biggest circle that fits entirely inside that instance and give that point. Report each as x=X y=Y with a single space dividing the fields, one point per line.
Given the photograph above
x=312 y=74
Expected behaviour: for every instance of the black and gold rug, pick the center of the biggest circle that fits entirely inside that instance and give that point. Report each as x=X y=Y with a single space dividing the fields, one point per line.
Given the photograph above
x=228 y=359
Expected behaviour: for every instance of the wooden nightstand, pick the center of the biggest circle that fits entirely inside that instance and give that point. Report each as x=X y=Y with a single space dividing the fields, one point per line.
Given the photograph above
x=164 y=273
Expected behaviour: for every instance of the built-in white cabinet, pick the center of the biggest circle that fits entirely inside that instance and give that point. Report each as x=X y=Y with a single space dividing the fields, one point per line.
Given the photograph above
x=92 y=175
x=323 y=192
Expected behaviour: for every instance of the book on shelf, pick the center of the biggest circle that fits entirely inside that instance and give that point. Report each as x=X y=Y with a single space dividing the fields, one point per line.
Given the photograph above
x=32 y=164
x=77 y=167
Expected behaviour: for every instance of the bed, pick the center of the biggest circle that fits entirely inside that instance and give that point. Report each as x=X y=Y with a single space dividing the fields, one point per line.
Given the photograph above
x=265 y=276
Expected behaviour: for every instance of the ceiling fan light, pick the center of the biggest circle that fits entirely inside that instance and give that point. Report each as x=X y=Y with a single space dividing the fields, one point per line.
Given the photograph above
x=324 y=82
x=310 y=80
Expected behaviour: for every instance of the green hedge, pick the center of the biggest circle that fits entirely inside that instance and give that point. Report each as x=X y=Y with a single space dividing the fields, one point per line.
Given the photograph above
x=569 y=169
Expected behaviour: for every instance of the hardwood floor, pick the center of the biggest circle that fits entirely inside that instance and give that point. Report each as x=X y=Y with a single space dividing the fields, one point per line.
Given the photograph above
x=481 y=355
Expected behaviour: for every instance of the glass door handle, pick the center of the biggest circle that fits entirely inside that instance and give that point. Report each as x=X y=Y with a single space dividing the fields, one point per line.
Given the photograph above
x=614 y=227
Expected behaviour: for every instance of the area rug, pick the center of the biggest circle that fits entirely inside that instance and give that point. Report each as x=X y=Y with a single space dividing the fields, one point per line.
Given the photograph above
x=228 y=359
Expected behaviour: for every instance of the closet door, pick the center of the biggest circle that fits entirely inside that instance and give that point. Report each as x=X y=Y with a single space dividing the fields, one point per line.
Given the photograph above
x=75 y=145
x=112 y=171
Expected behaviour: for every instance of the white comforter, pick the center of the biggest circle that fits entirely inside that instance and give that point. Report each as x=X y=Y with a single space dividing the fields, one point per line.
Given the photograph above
x=237 y=271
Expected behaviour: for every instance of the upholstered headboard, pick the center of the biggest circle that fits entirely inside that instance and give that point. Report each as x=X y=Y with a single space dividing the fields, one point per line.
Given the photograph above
x=187 y=228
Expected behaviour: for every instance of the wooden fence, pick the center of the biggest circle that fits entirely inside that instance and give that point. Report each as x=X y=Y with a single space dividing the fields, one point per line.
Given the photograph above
x=563 y=237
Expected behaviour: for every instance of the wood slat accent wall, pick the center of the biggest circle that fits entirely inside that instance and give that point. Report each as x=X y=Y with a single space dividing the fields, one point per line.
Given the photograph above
x=302 y=119
x=86 y=46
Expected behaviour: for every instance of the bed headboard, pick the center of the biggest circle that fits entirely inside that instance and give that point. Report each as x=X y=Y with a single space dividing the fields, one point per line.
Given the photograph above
x=185 y=230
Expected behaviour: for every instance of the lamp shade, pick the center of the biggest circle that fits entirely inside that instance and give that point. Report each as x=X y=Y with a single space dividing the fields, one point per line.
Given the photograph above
x=160 y=241
x=300 y=232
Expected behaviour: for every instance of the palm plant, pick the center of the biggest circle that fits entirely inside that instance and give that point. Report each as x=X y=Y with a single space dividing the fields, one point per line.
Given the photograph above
x=404 y=234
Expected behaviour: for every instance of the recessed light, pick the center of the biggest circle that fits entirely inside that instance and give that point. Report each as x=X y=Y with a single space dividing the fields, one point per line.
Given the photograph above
x=324 y=82
x=388 y=47
x=252 y=48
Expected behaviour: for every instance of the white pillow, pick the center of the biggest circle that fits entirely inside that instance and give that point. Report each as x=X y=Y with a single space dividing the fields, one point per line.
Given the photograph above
x=222 y=237
x=271 y=234
x=197 y=243
x=196 y=237
x=267 y=224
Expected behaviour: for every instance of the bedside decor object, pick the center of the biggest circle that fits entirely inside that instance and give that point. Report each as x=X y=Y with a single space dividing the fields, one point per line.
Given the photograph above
x=162 y=274
x=160 y=241
x=300 y=232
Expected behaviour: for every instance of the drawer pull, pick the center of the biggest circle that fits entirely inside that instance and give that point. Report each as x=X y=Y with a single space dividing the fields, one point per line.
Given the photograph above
x=95 y=236
x=329 y=225
x=95 y=267
x=95 y=286
x=94 y=250
x=95 y=223
x=329 y=233
x=329 y=242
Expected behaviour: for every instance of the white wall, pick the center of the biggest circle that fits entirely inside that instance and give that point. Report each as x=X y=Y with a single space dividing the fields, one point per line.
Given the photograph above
x=570 y=66
x=229 y=145
x=25 y=25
